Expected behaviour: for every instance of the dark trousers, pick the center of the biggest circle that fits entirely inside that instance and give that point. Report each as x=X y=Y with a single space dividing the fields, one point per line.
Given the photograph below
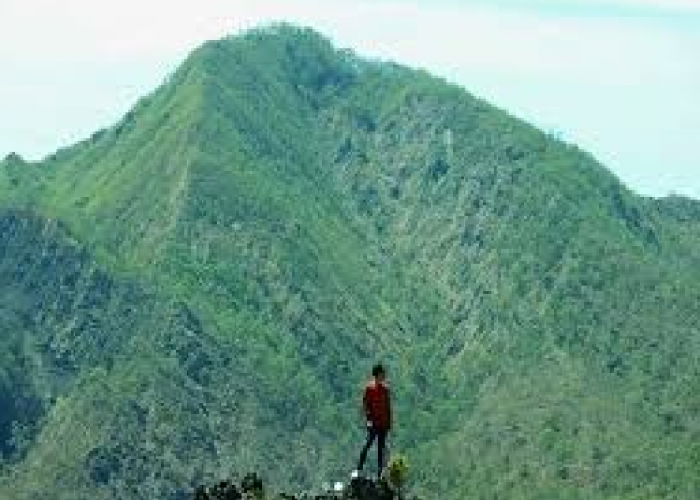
x=372 y=434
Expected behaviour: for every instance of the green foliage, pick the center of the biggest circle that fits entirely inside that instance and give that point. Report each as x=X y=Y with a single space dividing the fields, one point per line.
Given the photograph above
x=237 y=251
x=397 y=472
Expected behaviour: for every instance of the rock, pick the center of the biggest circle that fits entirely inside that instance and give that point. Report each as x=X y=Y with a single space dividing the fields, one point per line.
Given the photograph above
x=251 y=487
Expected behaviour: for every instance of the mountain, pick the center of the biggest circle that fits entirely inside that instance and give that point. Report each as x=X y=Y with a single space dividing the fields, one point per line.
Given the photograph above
x=203 y=287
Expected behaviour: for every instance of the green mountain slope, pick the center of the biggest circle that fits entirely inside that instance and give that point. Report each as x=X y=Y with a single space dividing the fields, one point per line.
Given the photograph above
x=233 y=255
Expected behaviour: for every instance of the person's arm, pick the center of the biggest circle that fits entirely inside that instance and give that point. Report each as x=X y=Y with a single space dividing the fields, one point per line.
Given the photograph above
x=365 y=404
x=388 y=405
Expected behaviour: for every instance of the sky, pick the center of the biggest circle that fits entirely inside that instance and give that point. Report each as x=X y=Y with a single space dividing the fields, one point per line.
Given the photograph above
x=620 y=78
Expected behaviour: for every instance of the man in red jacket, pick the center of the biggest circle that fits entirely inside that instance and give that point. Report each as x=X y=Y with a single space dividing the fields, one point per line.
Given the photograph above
x=377 y=406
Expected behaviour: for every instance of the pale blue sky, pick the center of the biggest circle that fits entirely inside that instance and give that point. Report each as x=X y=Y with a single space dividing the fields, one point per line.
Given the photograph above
x=621 y=78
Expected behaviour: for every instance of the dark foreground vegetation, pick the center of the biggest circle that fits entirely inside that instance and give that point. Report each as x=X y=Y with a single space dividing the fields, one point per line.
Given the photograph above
x=252 y=488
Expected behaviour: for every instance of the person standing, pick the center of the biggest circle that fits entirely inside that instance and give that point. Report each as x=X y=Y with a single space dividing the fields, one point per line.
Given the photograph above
x=376 y=403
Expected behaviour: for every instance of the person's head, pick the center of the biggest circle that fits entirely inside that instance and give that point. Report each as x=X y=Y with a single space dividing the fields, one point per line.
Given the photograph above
x=378 y=372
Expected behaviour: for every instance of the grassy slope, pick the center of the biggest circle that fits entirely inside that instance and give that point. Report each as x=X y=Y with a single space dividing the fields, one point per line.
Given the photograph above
x=568 y=308
x=314 y=211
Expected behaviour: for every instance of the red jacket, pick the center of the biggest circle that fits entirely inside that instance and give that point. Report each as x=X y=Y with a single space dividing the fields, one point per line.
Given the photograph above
x=377 y=405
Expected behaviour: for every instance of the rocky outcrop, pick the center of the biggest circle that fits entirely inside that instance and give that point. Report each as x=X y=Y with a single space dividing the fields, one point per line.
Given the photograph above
x=252 y=488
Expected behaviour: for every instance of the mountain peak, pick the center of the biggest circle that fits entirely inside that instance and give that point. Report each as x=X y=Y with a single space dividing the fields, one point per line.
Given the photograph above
x=261 y=57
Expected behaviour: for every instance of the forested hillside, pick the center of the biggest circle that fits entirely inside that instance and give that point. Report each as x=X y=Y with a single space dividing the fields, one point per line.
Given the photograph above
x=203 y=287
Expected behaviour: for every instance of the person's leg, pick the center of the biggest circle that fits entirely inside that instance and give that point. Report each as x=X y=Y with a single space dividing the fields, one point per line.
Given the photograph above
x=371 y=434
x=381 y=447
